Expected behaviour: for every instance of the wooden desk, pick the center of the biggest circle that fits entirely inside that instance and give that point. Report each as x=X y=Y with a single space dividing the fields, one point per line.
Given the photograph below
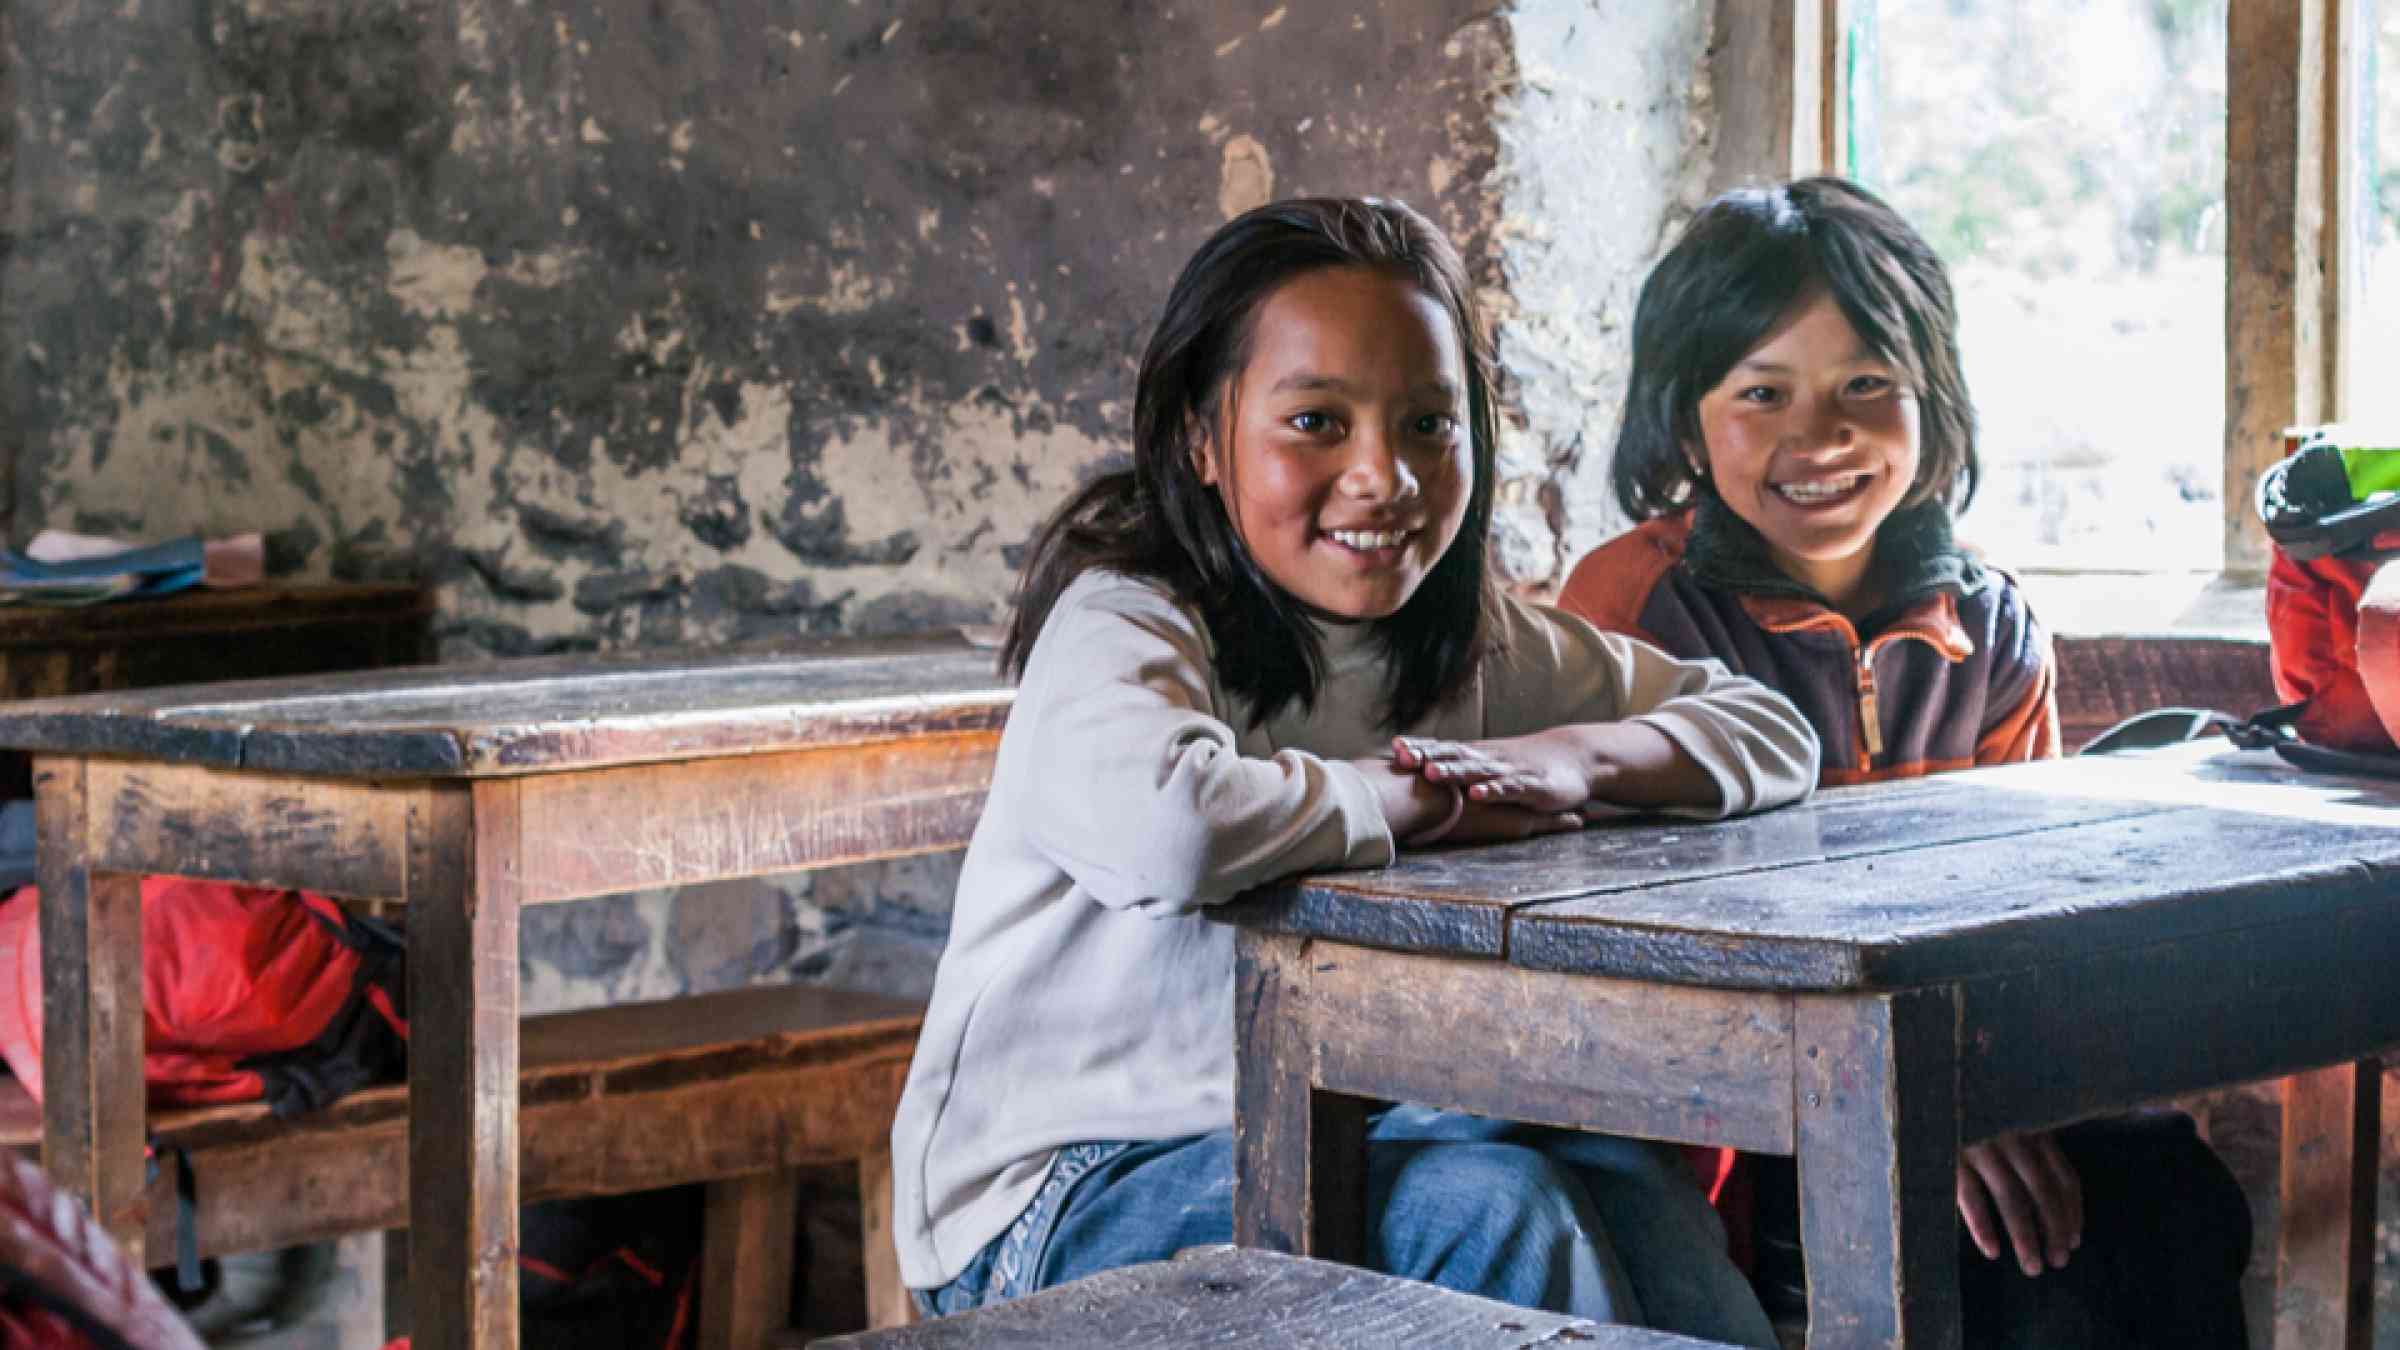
x=464 y=793
x=255 y=632
x=1865 y=981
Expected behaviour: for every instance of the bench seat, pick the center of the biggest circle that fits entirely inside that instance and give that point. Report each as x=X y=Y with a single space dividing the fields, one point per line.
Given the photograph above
x=735 y=1089
x=1232 y=1298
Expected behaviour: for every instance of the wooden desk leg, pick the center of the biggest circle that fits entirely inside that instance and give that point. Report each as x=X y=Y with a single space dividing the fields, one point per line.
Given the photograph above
x=2325 y=1253
x=1299 y=1154
x=1877 y=1085
x=746 y=1251
x=888 y=1303
x=92 y=1097
x=462 y=1071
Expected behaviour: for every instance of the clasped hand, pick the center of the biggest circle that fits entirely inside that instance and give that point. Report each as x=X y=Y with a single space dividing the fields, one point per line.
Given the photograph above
x=1518 y=786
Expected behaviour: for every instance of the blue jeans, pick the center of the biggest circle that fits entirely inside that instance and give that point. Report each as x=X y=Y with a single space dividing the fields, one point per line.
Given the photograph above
x=1590 y=1225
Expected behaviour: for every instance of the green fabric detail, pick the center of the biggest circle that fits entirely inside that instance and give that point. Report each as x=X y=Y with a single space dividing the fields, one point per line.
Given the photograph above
x=2371 y=469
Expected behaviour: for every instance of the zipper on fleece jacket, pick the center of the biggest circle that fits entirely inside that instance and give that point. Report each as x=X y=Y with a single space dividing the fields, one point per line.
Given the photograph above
x=1870 y=721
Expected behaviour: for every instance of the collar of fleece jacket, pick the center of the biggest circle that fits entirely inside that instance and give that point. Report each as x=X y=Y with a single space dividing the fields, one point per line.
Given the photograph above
x=1915 y=557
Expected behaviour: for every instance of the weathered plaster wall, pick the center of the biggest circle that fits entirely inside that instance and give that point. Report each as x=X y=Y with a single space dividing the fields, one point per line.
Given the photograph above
x=1604 y=152
x=705 y=320
x=700 y=321
x=684 y=321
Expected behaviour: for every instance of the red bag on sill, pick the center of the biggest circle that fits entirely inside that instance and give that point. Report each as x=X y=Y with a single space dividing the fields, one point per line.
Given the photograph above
x=2334 y=627
x=248 y=993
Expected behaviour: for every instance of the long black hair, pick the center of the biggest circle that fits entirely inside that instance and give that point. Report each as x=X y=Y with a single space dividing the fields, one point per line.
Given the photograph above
x=1159 y=521
x=1738 y=268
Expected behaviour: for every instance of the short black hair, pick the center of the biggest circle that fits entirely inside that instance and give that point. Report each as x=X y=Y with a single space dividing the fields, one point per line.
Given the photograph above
x=1737 y=270
x=1158 y=520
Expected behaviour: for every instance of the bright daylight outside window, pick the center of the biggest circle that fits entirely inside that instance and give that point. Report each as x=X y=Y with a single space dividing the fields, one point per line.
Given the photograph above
x=2067 y=160
x=2371 y=395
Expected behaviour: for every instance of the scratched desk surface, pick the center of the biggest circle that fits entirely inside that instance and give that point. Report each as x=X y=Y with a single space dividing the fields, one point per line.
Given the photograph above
x=541 y=715
x=1889 y=885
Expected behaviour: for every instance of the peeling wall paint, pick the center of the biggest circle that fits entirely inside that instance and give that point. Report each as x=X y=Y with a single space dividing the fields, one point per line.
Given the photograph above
x=716 y=320
x=696 y=322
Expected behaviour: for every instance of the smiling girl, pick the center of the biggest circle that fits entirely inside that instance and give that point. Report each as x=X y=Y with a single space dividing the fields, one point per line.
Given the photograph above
x=1796 y=435
x=1214 y=652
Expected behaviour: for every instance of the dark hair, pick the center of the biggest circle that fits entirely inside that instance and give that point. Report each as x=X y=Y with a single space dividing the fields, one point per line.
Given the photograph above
x=1738 y=269
x=1159 y=521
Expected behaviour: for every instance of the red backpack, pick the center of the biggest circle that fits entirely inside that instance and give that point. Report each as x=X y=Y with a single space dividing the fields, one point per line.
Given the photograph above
x=2335 y=627
x=2333 y=617
x=248 y=994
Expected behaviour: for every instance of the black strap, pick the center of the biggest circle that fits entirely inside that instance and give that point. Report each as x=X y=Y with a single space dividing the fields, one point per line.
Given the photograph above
x=188 y=1279
x=2161 y=726
x=2276 y=729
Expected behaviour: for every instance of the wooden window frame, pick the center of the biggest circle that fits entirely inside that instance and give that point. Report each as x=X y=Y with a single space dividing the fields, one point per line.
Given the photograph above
x=2294 y=77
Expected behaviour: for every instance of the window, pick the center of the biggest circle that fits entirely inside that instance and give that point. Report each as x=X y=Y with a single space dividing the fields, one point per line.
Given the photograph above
x=2196 y=158
x=2067 y=160
x=2372 y=405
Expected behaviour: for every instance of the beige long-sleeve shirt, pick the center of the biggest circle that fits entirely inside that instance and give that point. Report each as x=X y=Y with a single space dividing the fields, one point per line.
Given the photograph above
x=1082 y=994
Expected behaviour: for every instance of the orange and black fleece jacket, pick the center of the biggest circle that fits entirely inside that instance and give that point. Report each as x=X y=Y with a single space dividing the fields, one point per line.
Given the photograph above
x=1953 y=671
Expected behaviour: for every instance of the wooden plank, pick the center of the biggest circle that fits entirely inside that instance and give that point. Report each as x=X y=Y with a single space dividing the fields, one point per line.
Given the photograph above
x=620 y=829
x=1623 y=1057
x=755 y=1034
x=2325 y=1248
x=463 y=863
x=2115 y=1029
x=539 y=715
x=748 y=1229
x=341 y=838
x=1299 y=1154
x=2278 y=319
x=629 y=1046
x=1459 y=901
x=1821 y=103
x=93 y=1098
x=888 y=1303
x=1878 y=1150
x=2350 y=183
x=1754 y=75
x=2104 y=680
x=1229 y=1298
x=1896 y=919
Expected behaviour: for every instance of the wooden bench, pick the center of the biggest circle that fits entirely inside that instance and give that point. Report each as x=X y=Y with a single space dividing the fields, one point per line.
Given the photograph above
x=734 y=1089
x=1231 y=1298
x=2104 y=680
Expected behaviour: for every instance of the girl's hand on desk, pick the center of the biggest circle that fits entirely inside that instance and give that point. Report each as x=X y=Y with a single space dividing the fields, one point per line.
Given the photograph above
x=1499 y=822
x=1422 y=811
x=1564 y=768
x=2019 y=1188
x=1535 y=773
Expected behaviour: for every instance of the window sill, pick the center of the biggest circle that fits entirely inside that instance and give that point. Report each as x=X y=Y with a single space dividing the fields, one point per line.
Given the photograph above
x=2130 y=604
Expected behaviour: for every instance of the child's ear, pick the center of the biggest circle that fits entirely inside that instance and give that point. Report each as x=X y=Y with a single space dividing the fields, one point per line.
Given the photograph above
x=1204 y=455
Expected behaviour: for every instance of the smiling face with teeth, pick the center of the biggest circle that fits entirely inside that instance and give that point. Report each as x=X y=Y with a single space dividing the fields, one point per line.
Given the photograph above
x=1350 y=462
x=1812 y=438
